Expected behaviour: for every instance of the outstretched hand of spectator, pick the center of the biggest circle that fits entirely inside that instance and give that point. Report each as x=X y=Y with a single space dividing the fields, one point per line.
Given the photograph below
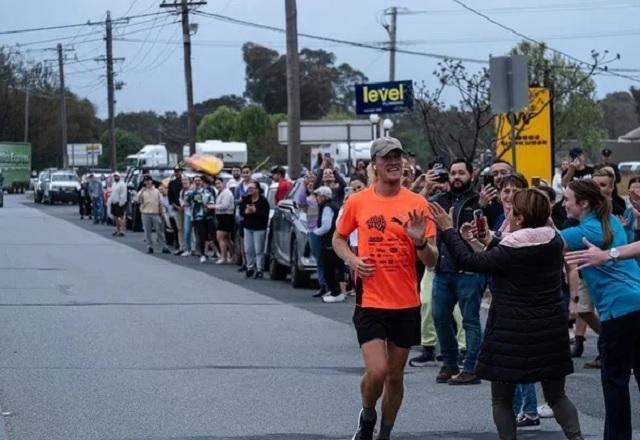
x=442 y=219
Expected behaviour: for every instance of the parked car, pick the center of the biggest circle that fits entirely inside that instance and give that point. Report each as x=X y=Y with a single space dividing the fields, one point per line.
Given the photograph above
x=41 y=183
x=133 y=180
x=287 y=243
x=62 y=186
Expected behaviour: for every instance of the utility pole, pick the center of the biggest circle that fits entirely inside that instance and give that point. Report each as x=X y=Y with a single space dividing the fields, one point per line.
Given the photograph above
x=110 y=93
x=392 y=30
x=63 y=109
x=293 y=89
x=26 y=108
x=186 y=40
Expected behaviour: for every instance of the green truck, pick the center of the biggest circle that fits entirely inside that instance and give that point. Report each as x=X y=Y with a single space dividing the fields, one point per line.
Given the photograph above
x=15 y=166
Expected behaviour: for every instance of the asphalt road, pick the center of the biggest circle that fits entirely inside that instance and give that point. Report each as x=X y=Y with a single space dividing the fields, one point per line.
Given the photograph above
x=101 y=341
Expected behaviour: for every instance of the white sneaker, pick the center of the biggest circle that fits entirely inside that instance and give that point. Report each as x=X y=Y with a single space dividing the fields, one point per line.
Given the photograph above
x=334 y=299
x=221 y=261
x=203 y=259
x=545 y=411
x=185 y=254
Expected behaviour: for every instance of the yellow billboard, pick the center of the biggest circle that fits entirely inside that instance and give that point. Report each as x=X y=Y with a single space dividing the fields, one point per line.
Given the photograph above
x=534 y=145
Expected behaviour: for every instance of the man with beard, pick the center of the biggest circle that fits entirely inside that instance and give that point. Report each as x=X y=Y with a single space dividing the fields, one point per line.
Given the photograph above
x=451 y=286
x=236 y=174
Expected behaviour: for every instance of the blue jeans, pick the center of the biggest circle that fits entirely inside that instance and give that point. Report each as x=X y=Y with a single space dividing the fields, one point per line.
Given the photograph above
x=96 y=208
x=465 y=289
x=315 y=244
x=525 y=400
x=187 y=233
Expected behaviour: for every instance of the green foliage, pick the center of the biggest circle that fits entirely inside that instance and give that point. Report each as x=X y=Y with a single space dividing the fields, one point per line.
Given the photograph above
x=619 y=114
x=44 y=110
x=126 y=143
x=220 y=125
x=323 y=86
x=577 y=114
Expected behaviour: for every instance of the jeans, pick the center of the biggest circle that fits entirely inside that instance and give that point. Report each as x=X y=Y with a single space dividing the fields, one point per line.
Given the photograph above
x=315 y=244
x=525 y=400
x=254 y=248
x=187 y=233
x=201 y=234
x=149 y=223
x=179 y=218
x=465 y=289
x=619 y=347
x=96 y=208
x=563 y=409
x=428 y=337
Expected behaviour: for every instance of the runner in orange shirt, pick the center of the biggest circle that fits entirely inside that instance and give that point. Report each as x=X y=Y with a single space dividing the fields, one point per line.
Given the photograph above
x=392 y=229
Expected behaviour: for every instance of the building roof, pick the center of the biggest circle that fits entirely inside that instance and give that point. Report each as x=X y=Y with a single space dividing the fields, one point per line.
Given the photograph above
x=632 y=136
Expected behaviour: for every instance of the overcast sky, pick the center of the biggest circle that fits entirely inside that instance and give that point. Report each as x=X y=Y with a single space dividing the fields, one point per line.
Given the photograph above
x=153 y=67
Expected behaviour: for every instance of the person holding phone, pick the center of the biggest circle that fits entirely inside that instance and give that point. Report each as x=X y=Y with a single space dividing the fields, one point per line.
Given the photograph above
x=254 y=210
x=526 y=338
x=578 y=168
x=490 y=191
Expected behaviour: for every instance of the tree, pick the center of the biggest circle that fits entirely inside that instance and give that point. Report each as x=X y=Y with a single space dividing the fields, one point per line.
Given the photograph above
x=619 y=114
x=576 y=111
x=323 y=87
x=126 y=143
x=16 y=76
x=635 y=92
x=220 y=125
x=205 y=107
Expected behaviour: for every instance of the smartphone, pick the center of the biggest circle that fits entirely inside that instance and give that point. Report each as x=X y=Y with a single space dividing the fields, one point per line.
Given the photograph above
x=481 y=223
x=488 y=180
x=535 y=181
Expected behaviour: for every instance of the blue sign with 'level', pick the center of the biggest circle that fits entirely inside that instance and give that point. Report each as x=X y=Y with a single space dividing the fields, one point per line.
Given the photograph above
x=384 y=97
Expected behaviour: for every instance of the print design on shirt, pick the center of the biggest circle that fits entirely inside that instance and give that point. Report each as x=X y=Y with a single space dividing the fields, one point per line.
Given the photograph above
x=377 y=222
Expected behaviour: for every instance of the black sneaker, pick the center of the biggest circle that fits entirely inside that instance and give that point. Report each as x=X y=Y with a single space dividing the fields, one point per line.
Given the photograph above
x=258 y=275
x=249 y=273
x=528 y=423
x=424 y=359
x=365 y=429
x=150 y=250
x=464 y=378
x=242 y=268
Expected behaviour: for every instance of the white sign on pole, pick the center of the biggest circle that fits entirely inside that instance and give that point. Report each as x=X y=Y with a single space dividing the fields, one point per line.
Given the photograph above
x=84 y=155
x=326 y=132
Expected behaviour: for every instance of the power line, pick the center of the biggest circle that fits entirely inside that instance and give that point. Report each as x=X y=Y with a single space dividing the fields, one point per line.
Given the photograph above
x=559 y=52
x=88 y=23
x=336 y=40
x=573 y=7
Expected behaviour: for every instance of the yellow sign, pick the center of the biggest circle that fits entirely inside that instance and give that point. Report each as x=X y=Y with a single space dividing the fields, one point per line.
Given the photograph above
x=533 y=151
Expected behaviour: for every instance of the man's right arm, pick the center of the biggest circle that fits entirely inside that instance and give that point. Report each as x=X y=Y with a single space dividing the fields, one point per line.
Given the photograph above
x=341 y=247
x=568 y=176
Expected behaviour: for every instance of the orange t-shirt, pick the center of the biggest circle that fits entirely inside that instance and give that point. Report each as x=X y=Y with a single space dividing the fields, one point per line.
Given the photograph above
x=383 y=240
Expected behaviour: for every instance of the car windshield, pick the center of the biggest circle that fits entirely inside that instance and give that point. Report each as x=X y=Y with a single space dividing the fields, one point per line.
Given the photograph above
x=63 y=178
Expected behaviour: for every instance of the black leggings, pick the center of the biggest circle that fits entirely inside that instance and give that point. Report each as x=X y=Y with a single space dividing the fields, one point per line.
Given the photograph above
x=563 y=410
x=202 y=234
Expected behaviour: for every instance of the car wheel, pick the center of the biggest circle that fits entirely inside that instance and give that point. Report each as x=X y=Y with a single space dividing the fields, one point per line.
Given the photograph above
x=276 y=270
x=299 y=279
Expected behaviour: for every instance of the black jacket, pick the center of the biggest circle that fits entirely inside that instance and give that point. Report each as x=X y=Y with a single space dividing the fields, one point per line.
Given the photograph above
x=526 y=338
x=464 y=204
x=258 y=221
x=175 y=186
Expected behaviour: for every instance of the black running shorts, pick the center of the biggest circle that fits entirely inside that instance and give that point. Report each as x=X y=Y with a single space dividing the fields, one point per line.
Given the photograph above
x=402 y=326
x=117 y=210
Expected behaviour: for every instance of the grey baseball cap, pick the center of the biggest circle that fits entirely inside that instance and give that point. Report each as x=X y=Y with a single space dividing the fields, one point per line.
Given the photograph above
x=324 y=191
x=385 y=145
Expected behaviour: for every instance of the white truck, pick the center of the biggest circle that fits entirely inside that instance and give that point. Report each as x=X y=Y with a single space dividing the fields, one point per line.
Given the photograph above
x=149 y=156
x=339 y=152
x=233 y=154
